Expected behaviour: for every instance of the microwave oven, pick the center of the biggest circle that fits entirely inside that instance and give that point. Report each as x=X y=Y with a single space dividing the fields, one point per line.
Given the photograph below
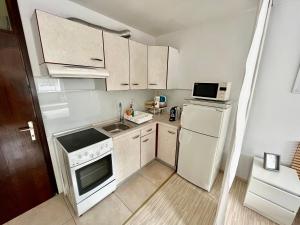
x=212 y=91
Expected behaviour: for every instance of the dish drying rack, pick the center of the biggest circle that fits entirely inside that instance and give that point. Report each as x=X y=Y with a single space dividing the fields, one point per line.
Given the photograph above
x=149 y=106
x=139 y=117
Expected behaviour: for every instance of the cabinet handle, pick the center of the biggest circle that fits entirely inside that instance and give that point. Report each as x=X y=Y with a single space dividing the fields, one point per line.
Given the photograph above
x=135 y=137
x=96 y=59
x=146 y=140
x=171 y=132
x=82 y=67
x=135 y=84
x=152 y=84
x=149 y=130
x=124 y=84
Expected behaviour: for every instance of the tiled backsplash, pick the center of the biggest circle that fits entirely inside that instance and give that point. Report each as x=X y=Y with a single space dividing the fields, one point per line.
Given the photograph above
x=71 y=103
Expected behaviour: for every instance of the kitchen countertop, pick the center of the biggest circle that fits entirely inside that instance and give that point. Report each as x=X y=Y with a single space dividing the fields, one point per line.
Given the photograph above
x=161 y=118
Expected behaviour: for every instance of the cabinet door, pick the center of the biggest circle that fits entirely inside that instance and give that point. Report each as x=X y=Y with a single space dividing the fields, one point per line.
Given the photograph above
x=157 y=67
x=68 y=42
x=116 y=61
x=202 y=119
x=175 y=81
x=126 y=155
x=148 y=148
x=167 y=142
x=138 y=65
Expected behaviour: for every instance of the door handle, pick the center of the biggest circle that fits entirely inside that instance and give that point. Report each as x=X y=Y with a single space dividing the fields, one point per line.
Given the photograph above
x=146 y=140
x=171 y=132
x=135 y=84
x=29 y=128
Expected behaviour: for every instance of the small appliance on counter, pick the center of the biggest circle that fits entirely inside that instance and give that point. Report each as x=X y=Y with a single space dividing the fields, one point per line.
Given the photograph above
x=175 y=113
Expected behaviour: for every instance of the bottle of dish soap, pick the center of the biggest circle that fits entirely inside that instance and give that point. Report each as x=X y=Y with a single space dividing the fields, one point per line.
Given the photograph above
x=131 y=108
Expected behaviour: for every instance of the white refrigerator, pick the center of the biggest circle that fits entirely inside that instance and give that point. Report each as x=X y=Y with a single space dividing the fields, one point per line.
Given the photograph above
x=201 y=142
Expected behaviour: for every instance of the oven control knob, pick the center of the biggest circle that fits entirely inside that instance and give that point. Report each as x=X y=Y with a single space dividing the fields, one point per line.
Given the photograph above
x=91 y=156
x=98 y=153
x=79 y=156
x=86 y=154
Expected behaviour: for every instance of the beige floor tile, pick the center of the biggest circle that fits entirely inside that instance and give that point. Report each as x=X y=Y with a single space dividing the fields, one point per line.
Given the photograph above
x=70 y=222
x=135 y=191
x=110 y=211
x=156 y=172
x=52 y=212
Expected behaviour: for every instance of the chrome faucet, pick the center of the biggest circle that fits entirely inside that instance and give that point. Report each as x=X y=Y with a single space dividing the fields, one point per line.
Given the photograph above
x=121 y=110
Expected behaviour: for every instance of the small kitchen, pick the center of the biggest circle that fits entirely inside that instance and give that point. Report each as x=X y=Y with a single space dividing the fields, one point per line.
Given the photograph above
x=139 y=116
x=96 y=159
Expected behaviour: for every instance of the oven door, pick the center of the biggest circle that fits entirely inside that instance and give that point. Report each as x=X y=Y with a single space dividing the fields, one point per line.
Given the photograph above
x=91 y=176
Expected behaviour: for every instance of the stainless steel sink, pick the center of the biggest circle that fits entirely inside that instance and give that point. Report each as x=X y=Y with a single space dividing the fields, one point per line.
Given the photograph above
x=116 y=127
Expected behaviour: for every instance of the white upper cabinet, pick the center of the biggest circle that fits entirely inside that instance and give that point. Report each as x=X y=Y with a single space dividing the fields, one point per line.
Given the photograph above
x=157 y=67
x=138 y=65
x=67 y=42
x=174 y=80
x=162 y=68
x=116 y=61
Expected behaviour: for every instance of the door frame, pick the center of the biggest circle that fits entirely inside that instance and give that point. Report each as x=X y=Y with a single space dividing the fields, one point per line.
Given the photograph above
x=17 y=30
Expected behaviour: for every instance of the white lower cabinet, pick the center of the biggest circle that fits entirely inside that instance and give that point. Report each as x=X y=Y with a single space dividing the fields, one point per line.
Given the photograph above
x=275 y=195
x=166 y=144
x=148 y=148
x=126 y=155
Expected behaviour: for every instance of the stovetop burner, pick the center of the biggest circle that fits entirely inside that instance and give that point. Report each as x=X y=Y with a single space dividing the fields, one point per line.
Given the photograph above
x=78 y=140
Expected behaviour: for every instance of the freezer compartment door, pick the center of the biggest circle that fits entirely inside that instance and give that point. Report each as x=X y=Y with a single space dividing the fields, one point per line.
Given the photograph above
x=202 y=119
x=196 y=158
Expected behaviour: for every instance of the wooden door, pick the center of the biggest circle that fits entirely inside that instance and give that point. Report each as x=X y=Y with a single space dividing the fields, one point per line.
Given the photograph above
x=138 y=65
x=157 y=67
x=126 y=155
x=68 y=42
x=116 y=61
x=148 y=148
x=26 y=175
x=166 y=144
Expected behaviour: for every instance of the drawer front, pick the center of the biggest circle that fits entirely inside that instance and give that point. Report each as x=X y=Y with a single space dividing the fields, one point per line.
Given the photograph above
x=273 y=194
x=269 y=209
x=148 y=129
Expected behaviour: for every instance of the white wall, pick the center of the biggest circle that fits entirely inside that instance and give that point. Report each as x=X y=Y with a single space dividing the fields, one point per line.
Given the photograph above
x=213 y=51
x=76 y=102
x=274 y=122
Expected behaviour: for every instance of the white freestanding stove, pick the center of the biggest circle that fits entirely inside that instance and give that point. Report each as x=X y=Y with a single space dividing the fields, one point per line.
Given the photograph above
x=87 y=167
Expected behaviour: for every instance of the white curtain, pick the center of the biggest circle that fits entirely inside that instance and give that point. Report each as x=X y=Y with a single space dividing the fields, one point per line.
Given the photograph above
x=244 y=105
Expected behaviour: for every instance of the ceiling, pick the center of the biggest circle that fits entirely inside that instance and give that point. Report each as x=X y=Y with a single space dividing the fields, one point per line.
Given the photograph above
x=157 y=17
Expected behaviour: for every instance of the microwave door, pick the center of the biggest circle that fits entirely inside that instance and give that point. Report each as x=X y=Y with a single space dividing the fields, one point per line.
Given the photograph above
x=206 y=90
